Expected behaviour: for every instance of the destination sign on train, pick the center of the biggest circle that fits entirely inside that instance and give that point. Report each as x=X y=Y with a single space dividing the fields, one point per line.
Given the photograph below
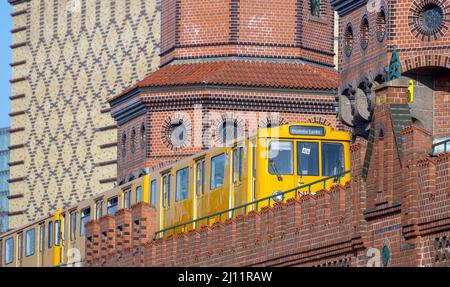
x=307 y=131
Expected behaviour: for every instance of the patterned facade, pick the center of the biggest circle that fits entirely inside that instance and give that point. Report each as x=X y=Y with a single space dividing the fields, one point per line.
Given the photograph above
x=4 y=175
x=68 y=58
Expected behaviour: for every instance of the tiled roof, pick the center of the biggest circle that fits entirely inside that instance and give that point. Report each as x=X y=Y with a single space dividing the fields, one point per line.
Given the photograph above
x=244 y=74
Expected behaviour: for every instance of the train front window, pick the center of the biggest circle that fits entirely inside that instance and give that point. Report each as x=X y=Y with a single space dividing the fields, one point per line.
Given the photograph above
x=85 y=217
x=9 y=250
x=139 y=194
x=308 y=158
x=332 y=159
x=200 y=178
x=182 y=191
x=50 y=234
x=281 y=157
x=153 y=193
x=217 y=171
x=57 y=233
x=166 y=186
x=112 y=205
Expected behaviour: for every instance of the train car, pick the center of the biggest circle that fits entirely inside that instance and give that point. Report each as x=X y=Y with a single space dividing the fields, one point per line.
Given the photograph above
x=248 y=170
x=210 y=186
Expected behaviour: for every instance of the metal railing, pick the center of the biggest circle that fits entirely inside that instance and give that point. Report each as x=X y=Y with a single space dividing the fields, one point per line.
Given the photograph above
x=254 y=205
x=438 y=144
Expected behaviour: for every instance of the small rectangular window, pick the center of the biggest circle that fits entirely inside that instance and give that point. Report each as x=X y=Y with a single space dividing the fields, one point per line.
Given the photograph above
x=281 y=155
x=20 y=246
x=127 y=199
x=308 y=158
x=200 y=178
x=57 y=232
x=99 y=209
x=235 y=165
x=73 y=225
x=241 y=155
x=85 y=217
x=9 y=251
x=138 y=194
x=166 y=182
x=153 y=191
x=112 y=205
x=30 y=242
x=50 y=234
x=217 y=171
x=41 y=237
x=182 y=191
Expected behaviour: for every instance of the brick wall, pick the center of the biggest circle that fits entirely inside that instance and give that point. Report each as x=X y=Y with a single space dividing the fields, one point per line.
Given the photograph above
x=263 y=28
x=401 y=220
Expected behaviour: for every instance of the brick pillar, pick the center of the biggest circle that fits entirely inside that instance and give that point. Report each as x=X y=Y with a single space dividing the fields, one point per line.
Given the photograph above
x=123 y=234
x=254 y=237
x=229 y=232
x=92 y=235
x=108 y=239
x=144 y=227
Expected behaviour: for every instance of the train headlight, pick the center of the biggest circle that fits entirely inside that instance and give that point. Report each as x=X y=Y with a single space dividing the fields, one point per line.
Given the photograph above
x=278 y=196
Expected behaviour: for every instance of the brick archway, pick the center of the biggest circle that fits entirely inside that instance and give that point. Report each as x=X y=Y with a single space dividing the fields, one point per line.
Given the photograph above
x=421 y=61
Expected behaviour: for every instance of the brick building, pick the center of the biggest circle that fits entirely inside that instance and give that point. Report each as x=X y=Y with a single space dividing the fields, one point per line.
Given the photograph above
x=224 y=63
x=68 y=57
x=369 y=31
x=399 y=219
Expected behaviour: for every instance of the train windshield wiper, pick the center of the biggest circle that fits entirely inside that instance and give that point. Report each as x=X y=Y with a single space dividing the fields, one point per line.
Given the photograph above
x=274 y=168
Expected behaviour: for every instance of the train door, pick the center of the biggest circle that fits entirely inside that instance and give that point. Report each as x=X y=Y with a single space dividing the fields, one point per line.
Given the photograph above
x=166 y=186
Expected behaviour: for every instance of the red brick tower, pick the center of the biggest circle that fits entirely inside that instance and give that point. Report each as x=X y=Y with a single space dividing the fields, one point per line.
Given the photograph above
x=231 y=65
x=369 y=31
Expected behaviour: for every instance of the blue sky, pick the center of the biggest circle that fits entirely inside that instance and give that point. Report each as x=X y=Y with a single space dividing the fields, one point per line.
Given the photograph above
x=5 y=60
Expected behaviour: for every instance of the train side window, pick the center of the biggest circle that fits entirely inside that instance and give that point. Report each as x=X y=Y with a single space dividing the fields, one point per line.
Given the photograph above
x=20 y=246
x=182 y=188
x=308 y=158
x=127 y=199
x=166 y=184
x=50 y=234
x=153 y=191
x=112 y=205
x=41 y=237
x=332 y=159
x=281 y=155
x=57 y=232
x=73 y=224
x=235 y=165
x=138 y=194
x=9 y=251
x=217 y=171
x=200 y=177
x=241 y=155
x=85 y=217
x=99 y=209
x=30 y=236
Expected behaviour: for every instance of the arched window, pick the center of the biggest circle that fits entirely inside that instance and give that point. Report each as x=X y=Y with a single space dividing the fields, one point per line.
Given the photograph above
x=381 y=25
x=133 y=140
x=228 y=130
x=124 y=144
x=348 y=40
x=364 y=33
x=315 y=7
x=142 y=136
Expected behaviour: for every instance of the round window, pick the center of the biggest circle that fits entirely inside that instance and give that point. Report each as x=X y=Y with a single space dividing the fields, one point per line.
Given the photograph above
x=431 y=17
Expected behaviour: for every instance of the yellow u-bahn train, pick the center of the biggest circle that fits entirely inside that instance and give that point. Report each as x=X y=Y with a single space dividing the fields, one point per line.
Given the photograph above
x=209 y=186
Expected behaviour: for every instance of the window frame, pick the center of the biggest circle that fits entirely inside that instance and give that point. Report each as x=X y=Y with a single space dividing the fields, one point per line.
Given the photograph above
x=57 y=233
x=138 y=194
x=41 y=237
x=127 y=199
x=211 y=178
x=73 y=225
x=323 y=158
x=10 y=239
x=33 y=230
x=177 y=199
x=200 y=181
x=82 y=229
x=50 y=234
x=166 y=189
x=292 y=157
x=97 y=204
x=153 y=192
x=116 y=205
